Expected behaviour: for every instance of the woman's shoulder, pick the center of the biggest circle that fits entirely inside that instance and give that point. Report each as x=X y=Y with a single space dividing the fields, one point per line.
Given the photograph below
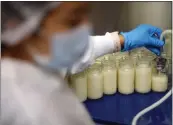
x=26 y=74
x=22 y=71
x=12 y=68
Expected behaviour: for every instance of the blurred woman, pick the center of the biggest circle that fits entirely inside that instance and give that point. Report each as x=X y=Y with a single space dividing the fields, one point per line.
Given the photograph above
x=41 y=42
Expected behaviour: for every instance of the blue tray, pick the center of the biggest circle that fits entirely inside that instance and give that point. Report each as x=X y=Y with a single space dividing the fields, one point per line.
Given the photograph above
x=121 y=109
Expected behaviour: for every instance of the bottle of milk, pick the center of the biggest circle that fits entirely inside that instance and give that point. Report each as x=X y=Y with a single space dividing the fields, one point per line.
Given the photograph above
x=154 y=67
x=126 y=76
x=143 y=76
x=150 y=57
x=107 y=56
x=95 y=81
x=136 y=55
x=169 y=66
x=134 y=58
x=159 y=82
x=79 y=85
x=100 y=58
x=109 y=77
x=167 y=36
x=117 y=57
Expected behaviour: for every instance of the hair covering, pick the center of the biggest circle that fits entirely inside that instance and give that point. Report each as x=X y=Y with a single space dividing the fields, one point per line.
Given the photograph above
x=22 y=18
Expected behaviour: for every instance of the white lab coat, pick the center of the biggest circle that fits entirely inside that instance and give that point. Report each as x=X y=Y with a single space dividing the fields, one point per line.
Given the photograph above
x=32 y=96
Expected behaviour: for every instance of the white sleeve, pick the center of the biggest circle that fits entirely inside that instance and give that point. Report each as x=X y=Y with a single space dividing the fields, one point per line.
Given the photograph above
x=98 y=46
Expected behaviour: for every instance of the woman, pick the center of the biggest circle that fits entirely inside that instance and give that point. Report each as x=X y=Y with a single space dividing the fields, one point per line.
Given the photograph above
x=42 y=41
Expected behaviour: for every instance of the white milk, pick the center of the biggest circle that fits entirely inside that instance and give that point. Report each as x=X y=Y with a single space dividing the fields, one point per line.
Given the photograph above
x=126 y=79
x=143 y=78
x=159 y=82
x=110 y=81
x=79 y=85
x=95 y=85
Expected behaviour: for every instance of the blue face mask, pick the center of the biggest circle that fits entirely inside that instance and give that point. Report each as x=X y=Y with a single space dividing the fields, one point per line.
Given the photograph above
x=66 y=48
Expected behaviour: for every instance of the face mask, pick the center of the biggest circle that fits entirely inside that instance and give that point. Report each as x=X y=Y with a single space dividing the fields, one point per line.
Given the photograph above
x=66 y=48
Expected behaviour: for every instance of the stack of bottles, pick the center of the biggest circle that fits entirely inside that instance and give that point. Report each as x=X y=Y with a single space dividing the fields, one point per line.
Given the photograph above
x=125 y=72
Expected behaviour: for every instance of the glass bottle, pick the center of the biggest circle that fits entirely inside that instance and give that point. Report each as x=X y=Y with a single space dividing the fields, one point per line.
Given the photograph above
x=109 y=77
x=159 y=82
x=117 y=57
x=137 y=55
x=98 y=62
x=134 y=59
x=100 y=58
x=122 y=53
x=169 y=66
x=141 y=51
x=79 y=85
x=151 y=58
x=167 y=36
x=95 y=81
x=169 y=71
x=143 y=76
x=154 y=67
x=136 y=51
x=126 y=78
x=107 y=56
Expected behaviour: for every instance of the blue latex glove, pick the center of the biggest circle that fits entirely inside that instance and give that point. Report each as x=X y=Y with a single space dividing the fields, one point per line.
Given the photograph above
x=143 y=36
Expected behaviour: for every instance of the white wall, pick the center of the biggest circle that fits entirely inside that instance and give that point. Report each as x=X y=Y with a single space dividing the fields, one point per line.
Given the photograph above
x=155 y=13
x=105 y=16
x=124 y=16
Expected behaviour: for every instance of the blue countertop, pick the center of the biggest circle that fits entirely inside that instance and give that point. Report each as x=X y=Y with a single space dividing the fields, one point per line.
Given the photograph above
x=121 y=109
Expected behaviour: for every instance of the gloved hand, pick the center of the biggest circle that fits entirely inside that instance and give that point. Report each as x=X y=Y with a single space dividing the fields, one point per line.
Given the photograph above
x=143 y=36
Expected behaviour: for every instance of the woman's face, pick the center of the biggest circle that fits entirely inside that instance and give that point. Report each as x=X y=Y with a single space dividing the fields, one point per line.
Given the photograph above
x=66 y=16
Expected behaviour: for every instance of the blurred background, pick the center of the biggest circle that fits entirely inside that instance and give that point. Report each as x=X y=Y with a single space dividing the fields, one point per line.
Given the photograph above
x=124 y=16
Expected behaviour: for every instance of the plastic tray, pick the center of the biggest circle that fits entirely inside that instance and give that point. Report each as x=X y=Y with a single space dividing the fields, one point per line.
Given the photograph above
x=121 y=109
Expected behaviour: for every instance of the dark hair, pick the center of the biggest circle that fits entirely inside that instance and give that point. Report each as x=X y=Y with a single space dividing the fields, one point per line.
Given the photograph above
x=3 y=47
